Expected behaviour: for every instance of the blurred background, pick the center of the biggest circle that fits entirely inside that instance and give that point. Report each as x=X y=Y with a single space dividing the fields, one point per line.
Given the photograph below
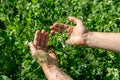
x=19 y=19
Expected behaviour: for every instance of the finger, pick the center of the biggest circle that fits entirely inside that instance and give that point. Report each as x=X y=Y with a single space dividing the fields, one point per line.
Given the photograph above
x=70 y=31
x=32 y=48
x=37 y=38
x=46 y=39
x=75 y=20
x=52 y=31
x=42 y=42
x=54 y=26
x=52 y=55
x=52 y=59
x=61 y=27
x=58 y=27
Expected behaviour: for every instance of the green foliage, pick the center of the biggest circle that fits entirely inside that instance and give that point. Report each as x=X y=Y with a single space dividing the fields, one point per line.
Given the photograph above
x=19 y=19
x=3 y=77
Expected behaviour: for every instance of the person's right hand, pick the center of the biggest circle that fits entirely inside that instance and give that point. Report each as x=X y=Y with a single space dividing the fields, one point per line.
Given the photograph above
x=76 y=33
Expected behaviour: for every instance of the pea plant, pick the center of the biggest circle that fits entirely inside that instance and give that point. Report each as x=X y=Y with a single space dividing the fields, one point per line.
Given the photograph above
x=19 y=19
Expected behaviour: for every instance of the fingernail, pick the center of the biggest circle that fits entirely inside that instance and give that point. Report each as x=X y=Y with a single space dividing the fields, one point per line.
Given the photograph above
x=52 y=32
x=43 y=31
x=37 y=31
x=50 y=27
x=55 y=24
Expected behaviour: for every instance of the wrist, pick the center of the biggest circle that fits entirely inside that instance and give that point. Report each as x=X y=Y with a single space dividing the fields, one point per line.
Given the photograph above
x=86 y=38
x=46 y=64
x=42 y=64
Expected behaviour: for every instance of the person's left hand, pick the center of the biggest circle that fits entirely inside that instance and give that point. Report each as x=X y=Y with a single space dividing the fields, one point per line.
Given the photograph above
x=40 y=51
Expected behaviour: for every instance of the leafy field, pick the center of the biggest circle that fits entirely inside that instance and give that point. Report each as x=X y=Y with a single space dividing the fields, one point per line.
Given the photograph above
x=19 y=19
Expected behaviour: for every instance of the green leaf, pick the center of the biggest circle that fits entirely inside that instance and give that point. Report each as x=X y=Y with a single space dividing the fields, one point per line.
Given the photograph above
x=35 y=1
x=3 y=77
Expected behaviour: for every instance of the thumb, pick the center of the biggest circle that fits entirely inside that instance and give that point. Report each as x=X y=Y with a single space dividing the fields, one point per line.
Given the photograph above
x=32 y=48
x=76 y=20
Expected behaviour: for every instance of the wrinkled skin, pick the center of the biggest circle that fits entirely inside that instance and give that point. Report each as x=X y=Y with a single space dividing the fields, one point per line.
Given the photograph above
x=40 y=51
x=76 y=33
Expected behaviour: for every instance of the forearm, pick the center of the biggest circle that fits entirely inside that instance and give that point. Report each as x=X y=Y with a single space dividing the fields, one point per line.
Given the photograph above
x=52 y=72
x=107 y=41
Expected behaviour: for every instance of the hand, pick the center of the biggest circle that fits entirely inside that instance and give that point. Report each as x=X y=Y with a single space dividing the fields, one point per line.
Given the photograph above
x=76 y=33
x=40 y=50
